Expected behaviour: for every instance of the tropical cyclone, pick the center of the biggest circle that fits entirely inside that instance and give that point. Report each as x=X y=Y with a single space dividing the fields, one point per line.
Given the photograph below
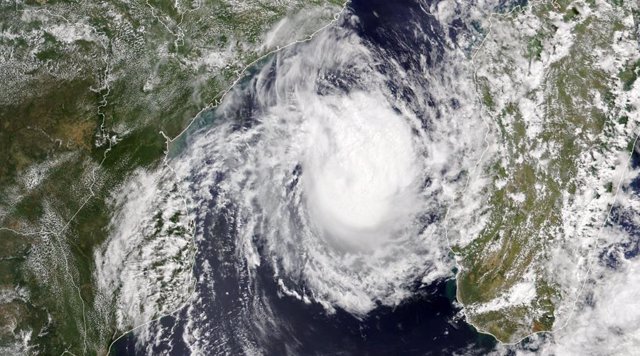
x=334 y=168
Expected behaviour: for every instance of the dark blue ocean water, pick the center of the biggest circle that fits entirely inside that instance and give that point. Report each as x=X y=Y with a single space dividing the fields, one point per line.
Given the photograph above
x=239 y=311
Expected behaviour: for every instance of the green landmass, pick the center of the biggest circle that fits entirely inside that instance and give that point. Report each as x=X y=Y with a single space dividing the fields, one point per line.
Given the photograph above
x=541 y=159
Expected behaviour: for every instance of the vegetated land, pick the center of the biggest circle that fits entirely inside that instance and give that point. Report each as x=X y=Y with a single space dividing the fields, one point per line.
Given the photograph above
x=559 y=99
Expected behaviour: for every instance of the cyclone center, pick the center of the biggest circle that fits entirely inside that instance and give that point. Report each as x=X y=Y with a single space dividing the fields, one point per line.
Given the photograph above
x=360 y=168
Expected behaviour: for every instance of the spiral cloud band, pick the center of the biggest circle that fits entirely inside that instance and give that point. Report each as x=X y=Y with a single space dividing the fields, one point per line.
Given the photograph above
x=338 y=178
